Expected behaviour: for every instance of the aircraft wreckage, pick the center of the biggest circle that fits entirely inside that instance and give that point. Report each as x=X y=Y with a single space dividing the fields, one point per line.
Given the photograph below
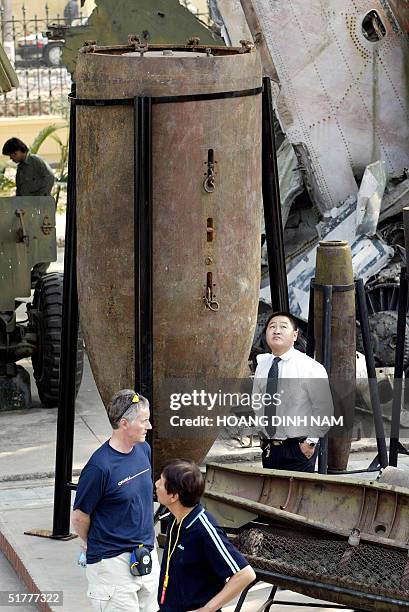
x=343 y=83
x=341 y=97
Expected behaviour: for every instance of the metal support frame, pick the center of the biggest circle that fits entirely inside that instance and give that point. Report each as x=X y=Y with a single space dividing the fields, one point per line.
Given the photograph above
x=69 y=342
x=143 y=317
x=381 y=460
x=143 y=291
x=143 y=302
x=395 y=447
x=310 y=348
x=326 y=362
x=271 y=577
x=244 y=594
x=272 y=206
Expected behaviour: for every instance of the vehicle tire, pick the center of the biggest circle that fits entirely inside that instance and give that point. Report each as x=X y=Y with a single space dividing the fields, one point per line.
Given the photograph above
x=52 y=54
x=47 y=321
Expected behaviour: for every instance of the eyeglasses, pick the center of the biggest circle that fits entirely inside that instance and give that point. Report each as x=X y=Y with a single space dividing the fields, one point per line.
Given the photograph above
x=135 y=400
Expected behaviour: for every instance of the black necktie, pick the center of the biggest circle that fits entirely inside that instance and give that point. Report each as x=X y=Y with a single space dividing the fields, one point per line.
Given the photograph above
x=271 y=389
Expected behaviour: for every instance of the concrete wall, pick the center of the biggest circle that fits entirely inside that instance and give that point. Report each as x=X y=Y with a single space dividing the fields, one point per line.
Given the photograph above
x=27 y=128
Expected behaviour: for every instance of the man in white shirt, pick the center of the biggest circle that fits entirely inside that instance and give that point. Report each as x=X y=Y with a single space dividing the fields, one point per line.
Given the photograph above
x=295 y=397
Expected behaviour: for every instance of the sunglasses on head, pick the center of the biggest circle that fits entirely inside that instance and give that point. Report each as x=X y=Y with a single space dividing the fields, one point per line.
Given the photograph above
x=135 y=400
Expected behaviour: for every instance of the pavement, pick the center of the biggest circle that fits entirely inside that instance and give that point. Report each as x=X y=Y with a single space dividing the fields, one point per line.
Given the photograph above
x=31 y=564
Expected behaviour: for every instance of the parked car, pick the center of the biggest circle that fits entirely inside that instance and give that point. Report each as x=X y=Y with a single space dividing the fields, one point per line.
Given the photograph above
x=38 y=48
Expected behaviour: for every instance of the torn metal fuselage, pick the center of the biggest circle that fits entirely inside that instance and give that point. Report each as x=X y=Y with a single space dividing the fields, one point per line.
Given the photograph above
x=341 y=100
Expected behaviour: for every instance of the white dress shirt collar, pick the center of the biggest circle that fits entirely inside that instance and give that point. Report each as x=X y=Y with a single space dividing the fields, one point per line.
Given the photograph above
x=285 y=356
x=271 y=356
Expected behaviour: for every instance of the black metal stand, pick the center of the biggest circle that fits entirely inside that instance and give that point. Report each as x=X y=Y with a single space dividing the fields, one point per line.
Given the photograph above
x=285 y=581
x=69 y=342
x=381 y=460
x=310 y=348
x=395 y=446
x=143 y=292
x=272 y=207
x=143 y=302
x=244 y=594
x=326 y=362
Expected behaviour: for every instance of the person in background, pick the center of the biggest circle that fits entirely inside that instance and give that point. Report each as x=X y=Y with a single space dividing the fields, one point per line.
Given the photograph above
x=306 y=393
x=71 y=12
x=34 y=176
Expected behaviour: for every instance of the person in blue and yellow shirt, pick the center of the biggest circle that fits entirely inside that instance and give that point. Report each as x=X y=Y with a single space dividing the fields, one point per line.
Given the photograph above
x=201 y=569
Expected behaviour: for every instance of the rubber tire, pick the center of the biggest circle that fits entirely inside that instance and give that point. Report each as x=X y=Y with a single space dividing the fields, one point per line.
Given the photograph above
x=48 y=300
x=50 y=49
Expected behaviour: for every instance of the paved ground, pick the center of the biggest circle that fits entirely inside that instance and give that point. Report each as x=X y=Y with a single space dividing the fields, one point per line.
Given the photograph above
x=10 y=582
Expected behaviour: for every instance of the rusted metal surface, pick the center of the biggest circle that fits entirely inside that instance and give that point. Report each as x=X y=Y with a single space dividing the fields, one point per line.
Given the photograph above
x=354 y=571
x=27 y=237
x=259 y=38
x=400 y=11
x=313 y=501
x=334 y=267
x=190 y=339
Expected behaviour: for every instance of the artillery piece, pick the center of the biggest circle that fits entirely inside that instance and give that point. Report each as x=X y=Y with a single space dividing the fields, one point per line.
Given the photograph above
x=28 y=238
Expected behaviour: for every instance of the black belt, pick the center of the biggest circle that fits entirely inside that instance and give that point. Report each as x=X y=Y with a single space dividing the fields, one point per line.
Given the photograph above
x=265 y=442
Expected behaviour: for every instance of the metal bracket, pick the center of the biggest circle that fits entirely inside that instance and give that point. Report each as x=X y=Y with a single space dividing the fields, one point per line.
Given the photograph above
x=22 y=235
x=47 y=227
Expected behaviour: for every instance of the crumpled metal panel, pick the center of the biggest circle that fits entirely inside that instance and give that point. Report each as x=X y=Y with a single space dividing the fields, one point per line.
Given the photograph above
x=291 y=179
x=154 y=21
x=394 y=200
x=232 y=20
x=369 y=255
x=370 y=198
x=342 y=99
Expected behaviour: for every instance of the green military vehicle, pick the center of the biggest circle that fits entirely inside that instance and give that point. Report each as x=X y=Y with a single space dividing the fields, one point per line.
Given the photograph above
x=28 y=238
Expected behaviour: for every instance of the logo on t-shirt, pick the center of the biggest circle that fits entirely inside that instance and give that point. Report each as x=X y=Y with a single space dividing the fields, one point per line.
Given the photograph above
x=128 y=478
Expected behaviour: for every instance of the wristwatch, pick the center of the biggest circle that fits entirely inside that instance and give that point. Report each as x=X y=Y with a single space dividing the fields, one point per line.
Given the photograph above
x=311 y=442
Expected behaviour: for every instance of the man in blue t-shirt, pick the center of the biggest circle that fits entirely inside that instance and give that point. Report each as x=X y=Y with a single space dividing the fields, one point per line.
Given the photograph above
x=201 y=569
x=113 y=510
